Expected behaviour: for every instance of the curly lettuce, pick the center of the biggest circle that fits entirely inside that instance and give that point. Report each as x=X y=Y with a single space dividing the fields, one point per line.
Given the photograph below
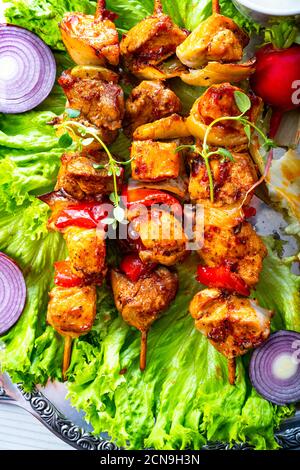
x=183 y=399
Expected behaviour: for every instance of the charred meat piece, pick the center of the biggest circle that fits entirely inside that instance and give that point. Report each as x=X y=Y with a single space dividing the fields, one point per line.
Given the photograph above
x=149 y=101
x=151 y=41
x=140 y=303
x=91 y=40
x=219 y=101
x=100 y=103
x=232 y=180
x=233 y=324
x=155 y=161
x=218 y=38
x=72 y=310
x=162 y=237
x=80 y=179
x=239 y=246
x=87 y=252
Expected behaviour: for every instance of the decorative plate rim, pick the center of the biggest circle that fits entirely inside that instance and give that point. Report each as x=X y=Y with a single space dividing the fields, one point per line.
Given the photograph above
x=75 y=436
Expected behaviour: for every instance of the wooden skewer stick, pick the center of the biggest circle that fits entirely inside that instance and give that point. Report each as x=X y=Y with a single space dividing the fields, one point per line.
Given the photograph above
x=231 y=370
x=143 y=353
x=158 y=8
x=67 y=356
x=216 y=6
x=101 y=4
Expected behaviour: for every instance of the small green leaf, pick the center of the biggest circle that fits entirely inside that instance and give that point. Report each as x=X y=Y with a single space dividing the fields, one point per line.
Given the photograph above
x=109 y=172
x=242 y=101
x=97 y=166
x=185 y=147
x=247 y=130
x=65 y=140
x=118 y=171
x=72 y=113
x=225 y=153
x=269 y=144
x=115 y=199
x=87 y=141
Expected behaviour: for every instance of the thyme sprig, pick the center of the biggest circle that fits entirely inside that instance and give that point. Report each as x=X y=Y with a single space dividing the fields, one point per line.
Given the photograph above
x=88 y=135
x=244 y=104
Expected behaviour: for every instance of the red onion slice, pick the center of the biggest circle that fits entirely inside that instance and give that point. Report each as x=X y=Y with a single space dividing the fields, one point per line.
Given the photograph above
x=27 y=69
x=12 y=293
x=275 y=368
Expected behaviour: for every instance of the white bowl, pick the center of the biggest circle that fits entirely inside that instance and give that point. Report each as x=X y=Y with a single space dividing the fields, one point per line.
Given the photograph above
x=264 y=11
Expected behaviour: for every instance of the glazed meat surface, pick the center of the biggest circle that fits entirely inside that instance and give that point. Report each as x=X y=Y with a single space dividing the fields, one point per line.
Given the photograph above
x=219 y=101
x=90 y=41
x=162 y=236
x=218 y=38
x=239 y=246
x=155 y=161
x=141 y=302
x=72 y=310
x=233 y=324
x=87 y=252
x=232 y=180
x=151 y=41
x=78 y=177
x=100 y=103
x=149 y=101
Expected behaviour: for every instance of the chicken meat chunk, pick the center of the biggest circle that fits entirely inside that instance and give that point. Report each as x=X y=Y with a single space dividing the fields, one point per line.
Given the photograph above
x=238 y=246
x=72 y=310
x=100 y=103
x=151 y=41
x=87 y=253
x=79 y=178
x=91 y=40
x=218 y=38
x=155 y=161
x=232 y=180
x=161 y=236
x=140 y=303
x=233 y=324
x=219 y=101
x=149 y=101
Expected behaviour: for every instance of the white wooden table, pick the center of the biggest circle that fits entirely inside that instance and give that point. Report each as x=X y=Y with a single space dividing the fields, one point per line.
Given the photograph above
x=21 y=431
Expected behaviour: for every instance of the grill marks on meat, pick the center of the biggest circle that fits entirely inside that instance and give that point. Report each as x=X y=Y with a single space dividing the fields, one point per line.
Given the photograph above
x=232 y=180
x=87 y=253
x=238 y=246
x=101 y=103
x=78 y=177
x=149 y=101
x=233 y=324
x=218 y=38
x=72 y=311
x=150 y=42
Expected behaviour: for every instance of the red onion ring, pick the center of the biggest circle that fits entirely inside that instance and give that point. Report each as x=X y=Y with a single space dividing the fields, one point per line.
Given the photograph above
x=27 y=69
x=265 y=372
x=12 y=293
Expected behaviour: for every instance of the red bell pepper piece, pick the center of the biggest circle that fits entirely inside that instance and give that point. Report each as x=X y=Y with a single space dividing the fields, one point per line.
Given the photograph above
x=64 y=277
x=223 y=278
x=249 y=212
x=149 y=197
x=134 y=267
x=85 y=215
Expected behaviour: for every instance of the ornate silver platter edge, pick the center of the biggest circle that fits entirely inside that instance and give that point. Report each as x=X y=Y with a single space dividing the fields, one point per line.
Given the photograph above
x=288 y=437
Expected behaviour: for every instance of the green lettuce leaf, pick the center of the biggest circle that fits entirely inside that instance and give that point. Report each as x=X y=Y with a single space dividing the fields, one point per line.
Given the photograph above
x=183 y=398
x=42 y=16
